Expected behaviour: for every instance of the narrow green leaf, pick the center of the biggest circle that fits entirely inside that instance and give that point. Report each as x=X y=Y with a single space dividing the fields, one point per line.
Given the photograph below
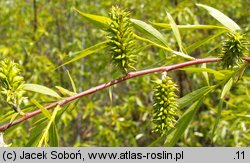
x=226 y=88
x=175 y=31
x=183 y=55
x=7 y=116
x=149 y=31
x=240 y=73
x=183 y=123
x=110 y=94
x=188 y=27
x=199 y=69
x=69 y=107
x=72 y=82
x=36 y=132
x=222 y=18
x=14 y=117
x=41 y=89
x=45 y=112
x=205 y=74
x=158 y=141
x=193 y=96
x=220 y=106
x=53 y=136
x=86 y=52
x=98 y=21
x=154 y=43
x=38 y=122
x=65 y=92
x=228 y=75
x=45 y=135
x=33 y=140
x=202 y=42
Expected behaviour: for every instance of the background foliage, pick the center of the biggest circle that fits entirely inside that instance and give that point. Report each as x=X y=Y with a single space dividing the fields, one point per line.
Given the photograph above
x=40 y=35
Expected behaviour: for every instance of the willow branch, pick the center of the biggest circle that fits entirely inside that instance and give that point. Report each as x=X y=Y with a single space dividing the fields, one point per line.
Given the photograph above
x=108 y=84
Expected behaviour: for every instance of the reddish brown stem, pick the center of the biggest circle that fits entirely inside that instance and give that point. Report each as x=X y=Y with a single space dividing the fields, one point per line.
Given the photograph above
x=105 y=85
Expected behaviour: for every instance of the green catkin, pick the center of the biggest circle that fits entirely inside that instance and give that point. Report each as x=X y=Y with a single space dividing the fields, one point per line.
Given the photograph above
x=233 y=50
x=165 y=105
x=11 y=84
x=121 y=40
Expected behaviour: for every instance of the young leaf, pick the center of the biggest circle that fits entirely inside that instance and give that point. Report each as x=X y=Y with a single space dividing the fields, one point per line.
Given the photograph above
x=69 y=107
x=183 y=55
x=45 y=135
x=110 y=94
x=218 y=117
x=86 y=52
x=72 y=82
x=149 y=31
x=226 y=88
x=183 y=123
x=159 y=140
x=65 y=92
x=98 y=21
x=53 y=136
x=38 y=122
x=33 y=140
x=41 y=89
x=154 y=43
x=44 y=110
x=205 y=74
x=193 y=96
x=176 y=31
x=188 y=27
x=7 y=116
x=199 y=69
x=222 y=18
x=36 y=132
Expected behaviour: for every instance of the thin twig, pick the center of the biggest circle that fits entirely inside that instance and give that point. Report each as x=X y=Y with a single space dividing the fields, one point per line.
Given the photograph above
x=105 y=85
